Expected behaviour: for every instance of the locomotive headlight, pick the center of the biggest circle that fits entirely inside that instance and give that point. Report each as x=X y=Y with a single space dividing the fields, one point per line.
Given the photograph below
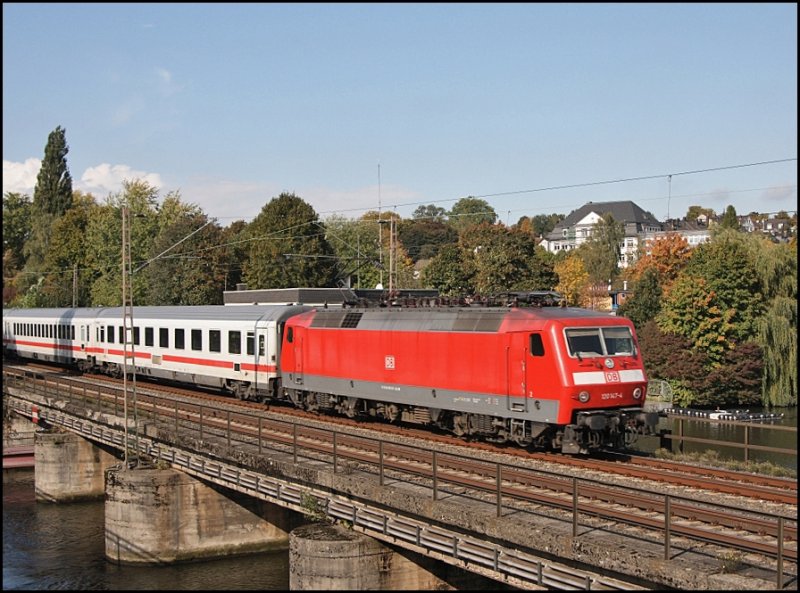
x=583 y=397
x=637 y=393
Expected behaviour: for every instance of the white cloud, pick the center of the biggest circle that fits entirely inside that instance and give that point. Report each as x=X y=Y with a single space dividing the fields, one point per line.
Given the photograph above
x=20 y=177
x=107 y=178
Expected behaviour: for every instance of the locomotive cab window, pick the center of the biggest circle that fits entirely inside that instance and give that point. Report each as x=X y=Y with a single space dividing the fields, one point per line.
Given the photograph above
x=537 y=346
x=606 y=341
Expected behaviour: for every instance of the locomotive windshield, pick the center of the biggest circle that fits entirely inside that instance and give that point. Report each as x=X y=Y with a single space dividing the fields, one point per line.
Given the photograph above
x=599 y=341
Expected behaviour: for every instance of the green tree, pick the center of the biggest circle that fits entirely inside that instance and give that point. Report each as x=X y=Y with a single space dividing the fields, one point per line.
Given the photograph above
x=468 y=212
x=777 y=327
x=729 y=219
x=288 y=247
x=16 y=231
x=67 y=279
x=429 y=212
x=53 y=191
x=104 y=238
x=601 y=252
x=186 y=273
x=422 y=238
x=355 y=245
x=448 y=273
x=645 y=302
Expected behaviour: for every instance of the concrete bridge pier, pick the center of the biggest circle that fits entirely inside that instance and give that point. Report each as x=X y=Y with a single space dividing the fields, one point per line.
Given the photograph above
x=69 y=468
x=163 y=516
x=329 y=557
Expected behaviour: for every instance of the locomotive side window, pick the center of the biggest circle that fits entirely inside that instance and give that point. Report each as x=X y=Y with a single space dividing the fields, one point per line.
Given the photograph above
x=214 y=340
x=537 y=346
x=179 y=339
x=163 y=337
x=197 y=339
x=234 y=342
x=290 y=335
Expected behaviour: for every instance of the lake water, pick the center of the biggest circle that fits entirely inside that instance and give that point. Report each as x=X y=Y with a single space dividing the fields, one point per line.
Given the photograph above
x=759 y=434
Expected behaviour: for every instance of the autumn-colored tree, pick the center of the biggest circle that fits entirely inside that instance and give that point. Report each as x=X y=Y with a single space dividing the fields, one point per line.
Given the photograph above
x=668 y=255
x=573 y=280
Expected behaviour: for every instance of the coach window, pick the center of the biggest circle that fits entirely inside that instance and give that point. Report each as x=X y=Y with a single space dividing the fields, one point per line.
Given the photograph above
x=234 y=342
x=71 y=332
x=261 y=345
x=121 y=335
x=136 y=336
x=197 y=339
x=163 y=337
x=537 y=346
x=148 y=336
x=110 y=334
x=214 y=340
x=179 y=345
x=101 y=334
x=251 y=344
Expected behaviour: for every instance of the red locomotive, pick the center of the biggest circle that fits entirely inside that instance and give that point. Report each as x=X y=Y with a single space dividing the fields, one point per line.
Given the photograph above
x=565 y=378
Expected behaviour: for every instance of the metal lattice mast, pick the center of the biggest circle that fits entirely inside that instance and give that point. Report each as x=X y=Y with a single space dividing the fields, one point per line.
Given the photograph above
x=127 y=336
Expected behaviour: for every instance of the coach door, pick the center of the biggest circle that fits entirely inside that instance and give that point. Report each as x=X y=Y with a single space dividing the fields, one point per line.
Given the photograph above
x=264 y=367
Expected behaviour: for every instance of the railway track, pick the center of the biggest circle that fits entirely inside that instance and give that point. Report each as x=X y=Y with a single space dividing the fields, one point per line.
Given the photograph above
x=454 y=467
x=648 y=470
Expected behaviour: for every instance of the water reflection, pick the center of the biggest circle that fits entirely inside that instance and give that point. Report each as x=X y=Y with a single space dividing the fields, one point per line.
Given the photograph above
x=758 y=433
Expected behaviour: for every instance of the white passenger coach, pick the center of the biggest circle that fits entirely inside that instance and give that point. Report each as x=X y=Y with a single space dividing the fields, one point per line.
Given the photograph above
x=232 y=348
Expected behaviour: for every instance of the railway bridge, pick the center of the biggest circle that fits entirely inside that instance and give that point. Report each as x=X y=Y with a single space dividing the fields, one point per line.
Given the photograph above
x=424 y=523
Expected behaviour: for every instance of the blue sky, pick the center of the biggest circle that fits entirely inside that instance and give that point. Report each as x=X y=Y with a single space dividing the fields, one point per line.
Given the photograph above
x=356 y=107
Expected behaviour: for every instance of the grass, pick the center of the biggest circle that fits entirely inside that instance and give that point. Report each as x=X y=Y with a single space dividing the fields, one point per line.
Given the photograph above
x=712 y=458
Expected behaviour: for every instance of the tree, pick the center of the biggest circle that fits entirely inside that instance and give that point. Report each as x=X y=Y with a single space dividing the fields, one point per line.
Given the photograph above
x=429 y=212
x=67 y=278
x=16 y=231
x=729 y=219
x=288 y=247
x=601 y=254
x=104 y=239
x=777 y=327
x=422 y=238
x=645 y=302
x=504 y=260
x=448 y=273
x=694 y=212
x=469 y=211
x=668 y=256
x=53 y=191
x=573 y=280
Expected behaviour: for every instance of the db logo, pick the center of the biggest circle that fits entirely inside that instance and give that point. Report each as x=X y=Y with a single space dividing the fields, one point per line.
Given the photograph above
x=389 y=362
x=612 y=377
